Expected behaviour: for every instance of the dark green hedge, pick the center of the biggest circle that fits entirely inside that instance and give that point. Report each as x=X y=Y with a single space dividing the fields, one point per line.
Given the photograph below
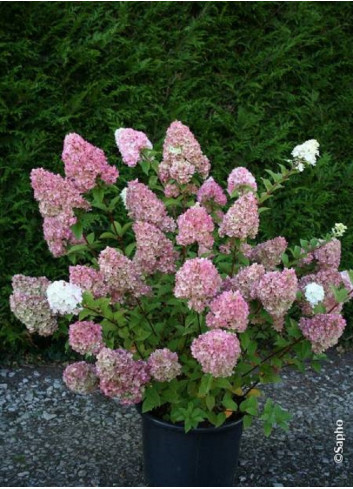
x=251 y=79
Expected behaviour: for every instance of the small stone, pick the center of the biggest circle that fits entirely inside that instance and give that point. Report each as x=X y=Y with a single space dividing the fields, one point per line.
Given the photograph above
x=23 y=474
x=48 y=416
x=3 y=386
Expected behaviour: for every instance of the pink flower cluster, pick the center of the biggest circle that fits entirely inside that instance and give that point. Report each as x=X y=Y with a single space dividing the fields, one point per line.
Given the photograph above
x=131 y=143
x=84 y=163
x=144 y=205
x=121 y=275
x=242 y=219
x=247 y=280
x=228 y=310
x=277 y=291
x=154 y=251
x=121 y=376
x=57 y=198
x=29 y=304
x=239 y=179
x=89 y=279
x=182 y=156
x=211 y=193
x=270 y=252
x=195 y=226
x=85 y=337
x=81 y=377
x=327 y=278
x=163 y=365
x=198 y=281
x=217 y=351
x=322 y=330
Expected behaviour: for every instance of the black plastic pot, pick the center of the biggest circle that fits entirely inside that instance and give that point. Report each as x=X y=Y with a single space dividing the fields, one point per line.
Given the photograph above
x=203 y=457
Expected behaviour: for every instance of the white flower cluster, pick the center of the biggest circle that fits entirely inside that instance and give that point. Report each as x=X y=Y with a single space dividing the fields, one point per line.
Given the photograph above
x=64 y=298
x=305 y=154
x=314 y=293
x=338 y=230
x=123 y=196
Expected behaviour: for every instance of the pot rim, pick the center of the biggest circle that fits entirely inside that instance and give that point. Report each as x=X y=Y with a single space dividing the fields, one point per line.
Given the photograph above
x=170 y=426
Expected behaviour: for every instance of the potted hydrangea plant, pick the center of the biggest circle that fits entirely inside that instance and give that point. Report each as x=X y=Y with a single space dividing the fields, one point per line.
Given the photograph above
x=171 y=301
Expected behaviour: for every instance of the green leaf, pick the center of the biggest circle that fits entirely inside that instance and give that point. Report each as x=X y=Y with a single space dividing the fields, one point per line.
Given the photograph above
x=77 y=229
x=210 y=402
x=228 y=402
x=250 y=406
x=206 y=384
x=152 y=399
x=130 y=248
x=247 y=421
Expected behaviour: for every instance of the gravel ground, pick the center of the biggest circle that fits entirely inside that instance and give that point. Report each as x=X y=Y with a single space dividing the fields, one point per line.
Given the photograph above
x=51 y=437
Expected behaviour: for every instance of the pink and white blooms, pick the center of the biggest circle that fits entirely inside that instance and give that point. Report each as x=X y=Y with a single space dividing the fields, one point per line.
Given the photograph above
x=305 y=154
x=210 y=193
x=314 y=293
x=217 y=351
x=269 y=253
x=198 y=281
x=85 y=337
x=241 y=180
x=242 y=219
x=323 y=330
x=64 y=298
x=84 y=164
x=121 y=376
x=195 y=226
x=89 y=280
x=154 y=251
x=29 y=304
x=131 y=143
x=182 y=156
x=144 y=205
x=248 y=279
x=228 y=310
x=164 y=365
x=81 y=377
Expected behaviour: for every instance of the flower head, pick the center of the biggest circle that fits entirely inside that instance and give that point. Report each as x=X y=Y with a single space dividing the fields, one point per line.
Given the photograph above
x=81 y=377
x=338 y=230
x=305 y=154
x=322 y=330
x=314 y=293
x=85 y=337
x=89 y=280
x=269 y=253
x=195 y=226
x=64 y=298
x=211 y=193
x=228 y=310
x=242 y=219
x=217 y=351
x=131 y=143
x=163 y=365
x=198 y=281
x=241 y=180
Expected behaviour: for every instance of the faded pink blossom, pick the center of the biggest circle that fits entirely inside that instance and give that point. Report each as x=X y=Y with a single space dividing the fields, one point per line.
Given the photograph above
x=57 y=232
x=269 y=253
x=328 y=255
x=210 y=193
x=242 y=219
x=154 y=251
x=182 y=156
x=131 y=143
x=322 y=330
x=247 y=280
x=277 y=292
x=171 y=191
x=217 y=351
x=81 y=377
x=228 y=310
x=164 y=365
x=85 y=337
x=239 y=179
x=121 y=275
x=198 y=281
x=195 y=226
x=84 y=164
x=29 y=304
x=89 y=279
x=121 y=376
x=144 y=205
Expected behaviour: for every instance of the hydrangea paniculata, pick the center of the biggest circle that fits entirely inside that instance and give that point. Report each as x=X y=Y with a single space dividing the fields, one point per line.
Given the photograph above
x=144 y=205
x=242 y=219
x=84 y=163
x=29 y=304
x=322 y=330
x=217 y=352
x=210 y=193
x=239 y=179
x=228 y=310
x=195 y=226
x=163 y=365
x=305 y=154
x=154 y=251
x=89 y=280
x=121 y=376
x=64 y=298
x=314 y=293
x=269 y=253
x=247 y=280
x=198 y=281
x=85 y=337
x=81 y=377
x=131 y=143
